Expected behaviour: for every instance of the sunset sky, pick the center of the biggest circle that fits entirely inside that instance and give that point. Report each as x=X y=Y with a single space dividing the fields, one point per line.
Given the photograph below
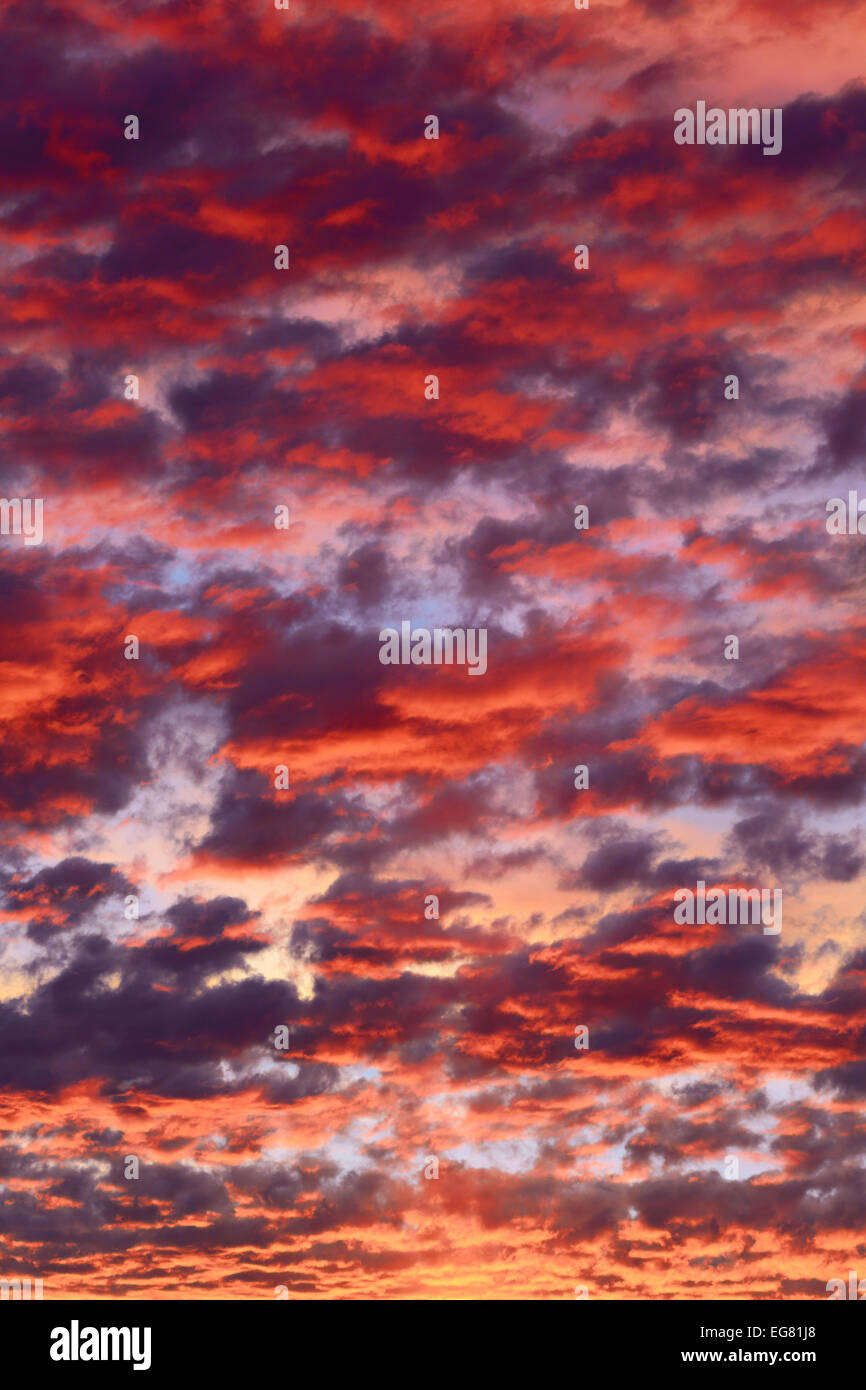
x=152 y=781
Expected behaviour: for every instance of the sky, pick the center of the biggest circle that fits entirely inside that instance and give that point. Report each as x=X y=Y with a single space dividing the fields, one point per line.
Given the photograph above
x=510 y=1071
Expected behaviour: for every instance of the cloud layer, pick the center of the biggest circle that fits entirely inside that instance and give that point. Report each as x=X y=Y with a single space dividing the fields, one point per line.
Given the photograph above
x=167 y=904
